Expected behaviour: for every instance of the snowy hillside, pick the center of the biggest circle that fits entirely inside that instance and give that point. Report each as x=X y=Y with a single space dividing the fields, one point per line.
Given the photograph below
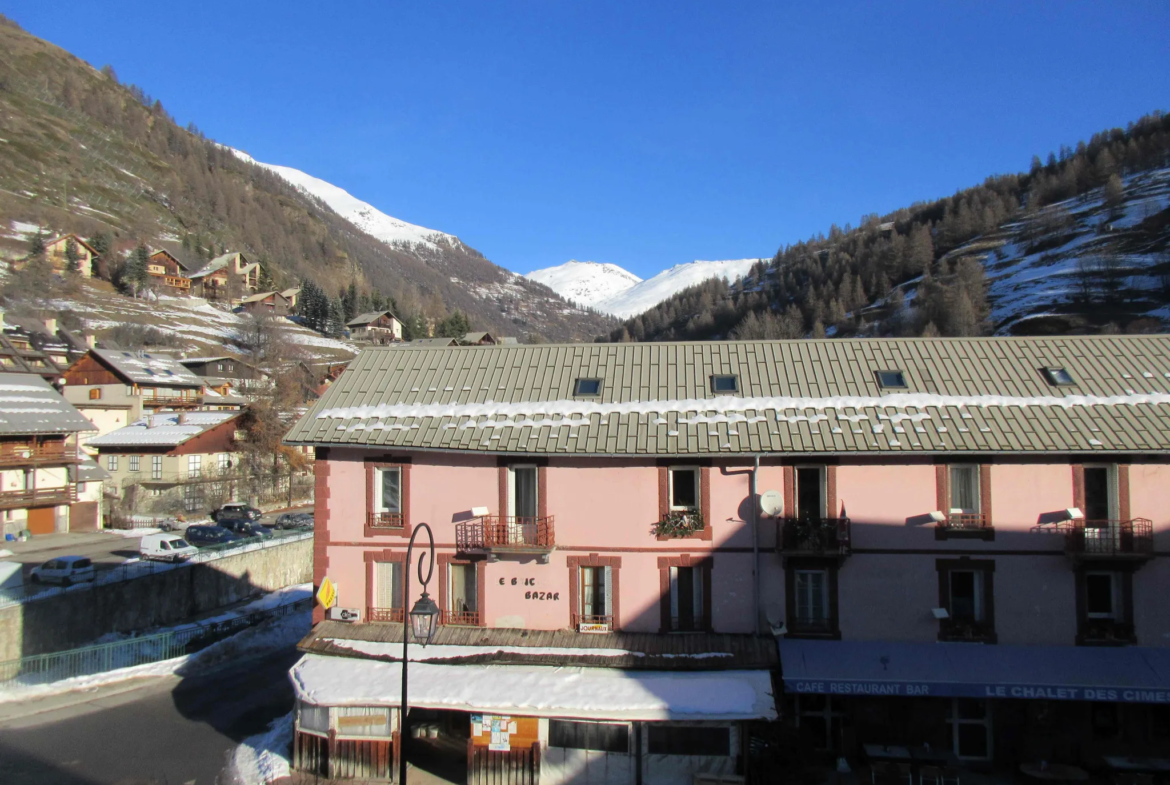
x=585 y=283
x=577 y=280
x=361 y=214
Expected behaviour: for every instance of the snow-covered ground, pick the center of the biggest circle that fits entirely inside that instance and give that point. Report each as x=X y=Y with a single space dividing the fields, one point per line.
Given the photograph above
x=263 y=758
x=600 y=286
x=361 y=214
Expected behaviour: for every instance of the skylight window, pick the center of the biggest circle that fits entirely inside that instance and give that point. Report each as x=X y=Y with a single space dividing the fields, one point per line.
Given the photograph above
x=724 y=383
x=587 y=387
x=1059 y=377
x=891 y=380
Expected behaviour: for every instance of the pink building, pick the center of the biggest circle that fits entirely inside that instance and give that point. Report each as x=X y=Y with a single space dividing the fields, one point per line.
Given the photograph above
x=649 y=553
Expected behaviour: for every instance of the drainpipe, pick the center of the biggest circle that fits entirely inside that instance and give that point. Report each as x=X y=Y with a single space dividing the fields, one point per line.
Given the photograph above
x=756 y=545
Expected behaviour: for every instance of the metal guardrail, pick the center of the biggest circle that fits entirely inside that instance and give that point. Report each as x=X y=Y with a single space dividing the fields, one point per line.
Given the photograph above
x=141 y=650
x=141 y=569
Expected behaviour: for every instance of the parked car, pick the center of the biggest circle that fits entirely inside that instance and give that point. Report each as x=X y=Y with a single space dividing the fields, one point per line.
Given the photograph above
x=200 y=536
x=245 y=528
x=236 y=509
x=295 y=520
x=65 y=570
x=165 y=547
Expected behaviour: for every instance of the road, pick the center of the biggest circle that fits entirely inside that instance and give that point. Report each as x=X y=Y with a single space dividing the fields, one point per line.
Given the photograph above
x=170 y=732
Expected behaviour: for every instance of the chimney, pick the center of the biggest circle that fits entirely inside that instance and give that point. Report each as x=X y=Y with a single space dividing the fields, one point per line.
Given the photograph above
x=182 y=418
x=91 y=341
x=51 y=326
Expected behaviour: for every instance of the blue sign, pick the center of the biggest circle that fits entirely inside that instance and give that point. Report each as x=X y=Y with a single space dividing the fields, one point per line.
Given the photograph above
x=962 y=690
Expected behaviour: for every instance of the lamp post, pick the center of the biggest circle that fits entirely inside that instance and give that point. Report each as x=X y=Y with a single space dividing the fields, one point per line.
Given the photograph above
x=421 y=621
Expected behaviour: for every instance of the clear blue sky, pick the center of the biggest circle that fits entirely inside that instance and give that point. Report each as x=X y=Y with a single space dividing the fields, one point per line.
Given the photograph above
x=644 y=134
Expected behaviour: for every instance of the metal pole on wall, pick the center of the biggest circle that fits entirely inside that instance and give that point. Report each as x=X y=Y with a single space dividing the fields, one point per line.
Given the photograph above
x=421 y=621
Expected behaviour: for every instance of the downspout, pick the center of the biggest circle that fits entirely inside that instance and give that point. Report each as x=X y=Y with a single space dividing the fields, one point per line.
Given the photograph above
x=756 y=545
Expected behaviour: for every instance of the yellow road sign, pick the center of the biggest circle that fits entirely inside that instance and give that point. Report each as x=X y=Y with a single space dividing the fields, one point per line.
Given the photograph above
x=327 y=594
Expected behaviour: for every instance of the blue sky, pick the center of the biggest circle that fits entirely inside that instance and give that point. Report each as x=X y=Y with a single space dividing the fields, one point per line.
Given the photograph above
x=644 y=134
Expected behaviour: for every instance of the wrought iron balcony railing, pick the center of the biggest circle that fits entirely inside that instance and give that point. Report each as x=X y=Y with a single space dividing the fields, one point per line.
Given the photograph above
x=384 y=614
x=588 y=622
x=386 y=520
x=815 y=535
x=506 y=534
x=459 y=618
x=1132 y=538
x=960 y=630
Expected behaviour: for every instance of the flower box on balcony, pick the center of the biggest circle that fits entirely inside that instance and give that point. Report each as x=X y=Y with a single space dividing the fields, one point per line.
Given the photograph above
x=679 y=523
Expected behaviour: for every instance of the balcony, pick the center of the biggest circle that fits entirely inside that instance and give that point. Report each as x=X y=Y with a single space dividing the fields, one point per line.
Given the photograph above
x=965 y=524
x=1106 y=632
x=584 y=622
x=391 y=615
x=171 y=401
x=16 y=454
x=965 y=631
x=507 y=534
x=38 y=497
x=814 y=536
x=385 y=522
x=1109 y=539
x=459 y=618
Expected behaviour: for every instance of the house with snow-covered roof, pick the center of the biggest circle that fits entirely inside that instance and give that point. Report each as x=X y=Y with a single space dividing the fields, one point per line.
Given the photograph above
x=701 y=537
x=223 y=273
x=375 y=326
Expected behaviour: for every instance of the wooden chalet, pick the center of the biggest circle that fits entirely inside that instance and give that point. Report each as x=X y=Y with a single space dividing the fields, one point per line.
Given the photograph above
x=166 y=271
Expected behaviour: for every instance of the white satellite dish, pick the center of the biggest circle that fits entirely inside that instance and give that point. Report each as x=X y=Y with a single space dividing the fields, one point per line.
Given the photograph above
x=771 y=503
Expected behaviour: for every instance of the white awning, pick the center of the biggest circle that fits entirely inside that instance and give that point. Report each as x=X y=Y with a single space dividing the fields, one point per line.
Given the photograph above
x=539 y=691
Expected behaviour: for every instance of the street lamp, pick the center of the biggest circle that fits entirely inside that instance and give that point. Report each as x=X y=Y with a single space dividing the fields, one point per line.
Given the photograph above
x=421 y=621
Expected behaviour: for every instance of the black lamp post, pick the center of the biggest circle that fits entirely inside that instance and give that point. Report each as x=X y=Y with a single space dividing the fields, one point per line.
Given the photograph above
x=421 y=621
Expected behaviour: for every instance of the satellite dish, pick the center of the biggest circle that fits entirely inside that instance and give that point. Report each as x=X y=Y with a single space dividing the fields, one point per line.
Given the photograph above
x=771 y=503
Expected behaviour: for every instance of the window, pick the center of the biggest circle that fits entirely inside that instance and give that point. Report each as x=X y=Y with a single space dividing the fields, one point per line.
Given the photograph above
x=599 y=736
x=387 y=590
x=388 y=490
x=684 y=489
x=95 y=394
x=724 y=384
x=891 y=379
x=966 y=592
x=819 y=718
x=463 y=605
x=522 y=491
x=219 y=366
x=194 y=466
x=1100 y=494
x=812 y=600
x=192 y=497
x=1059 y=377
x=112 y=463
x=810 y=493
x=156 y=467
x=135 y=463
x=687 y=612
x=1103 y=595
x=688 y=740
x=1105 y=607
x=596 y=606
x=969 y=723
x=587 y=387
x=965 y=489
x=224 y=462
x=966 y=595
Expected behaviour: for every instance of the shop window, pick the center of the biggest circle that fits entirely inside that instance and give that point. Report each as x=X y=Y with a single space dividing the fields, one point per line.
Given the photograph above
x=523 y=497
x=810 y=493
x=598 y=736
x=314 y=719
x=969 y=724
x=1105 y=720
x=688 y=740
x=819 y=719
x=362 y=721
x=684 y=488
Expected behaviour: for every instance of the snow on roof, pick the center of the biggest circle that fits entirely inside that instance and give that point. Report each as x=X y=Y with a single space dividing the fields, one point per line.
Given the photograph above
x=89 y=471
x=148 y=368
x=163 y=430
x=533 y=690
x=28 y=405
x=366 y=318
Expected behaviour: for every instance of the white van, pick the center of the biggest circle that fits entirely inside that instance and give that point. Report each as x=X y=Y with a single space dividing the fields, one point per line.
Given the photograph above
x=165 y=547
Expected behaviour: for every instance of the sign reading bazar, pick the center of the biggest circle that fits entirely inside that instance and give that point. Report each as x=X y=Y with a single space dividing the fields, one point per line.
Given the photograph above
x=961 y=690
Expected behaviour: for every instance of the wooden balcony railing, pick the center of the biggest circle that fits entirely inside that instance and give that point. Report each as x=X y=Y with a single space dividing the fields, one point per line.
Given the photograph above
x=384 y=614
x=39 y=497
x=1133 y=538
x=459 y=618
x=386 y=520
x=506 y=533
x=591 y=622
x=815 y=535
x=14 y=454
x=960 y=630
x=172 y=400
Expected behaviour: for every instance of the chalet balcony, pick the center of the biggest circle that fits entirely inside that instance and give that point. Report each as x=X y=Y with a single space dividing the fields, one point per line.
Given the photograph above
x=965 y=524
x=814 y=536
x=391 y=615
x=1109 y=539
x=386 y=522
x=172 y=401
x=507 y=534
x=965 y=631
x=16 y=454
x=38 y=497
x=459 y=618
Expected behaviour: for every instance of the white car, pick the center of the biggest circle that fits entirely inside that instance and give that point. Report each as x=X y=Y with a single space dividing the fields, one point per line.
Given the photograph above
x=165 y=547
x=65 y=570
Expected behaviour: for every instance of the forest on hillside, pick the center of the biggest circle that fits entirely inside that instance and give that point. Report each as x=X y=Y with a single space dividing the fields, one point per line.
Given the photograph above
x=847 y=283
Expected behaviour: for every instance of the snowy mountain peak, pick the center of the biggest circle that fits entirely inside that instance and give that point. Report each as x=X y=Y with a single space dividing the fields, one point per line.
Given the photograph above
x=361 y=214
x=586 y=283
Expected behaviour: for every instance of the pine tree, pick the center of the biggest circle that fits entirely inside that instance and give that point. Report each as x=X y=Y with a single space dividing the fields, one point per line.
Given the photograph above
x=72 y=256
x=36 y=245
x=349 y=301
x=136 y=274
x=335 y=324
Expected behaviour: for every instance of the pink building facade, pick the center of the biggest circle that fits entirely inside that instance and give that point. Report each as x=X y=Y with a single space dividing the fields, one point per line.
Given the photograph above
x=945 y=598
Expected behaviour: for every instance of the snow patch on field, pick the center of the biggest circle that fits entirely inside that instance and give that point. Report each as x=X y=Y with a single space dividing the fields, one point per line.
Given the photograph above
x=263 y=758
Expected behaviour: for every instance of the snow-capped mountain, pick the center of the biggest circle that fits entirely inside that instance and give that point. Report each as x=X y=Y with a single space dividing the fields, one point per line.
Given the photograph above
x=612 y=290
x=585 y=283
x=361 y=214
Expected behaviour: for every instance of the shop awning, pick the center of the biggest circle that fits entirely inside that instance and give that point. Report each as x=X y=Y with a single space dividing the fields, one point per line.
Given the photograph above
x=1128 y=674
x=539 y=691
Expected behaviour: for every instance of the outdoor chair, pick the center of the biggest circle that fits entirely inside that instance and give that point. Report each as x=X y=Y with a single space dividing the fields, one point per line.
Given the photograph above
x=950 y=776
x=905 y=775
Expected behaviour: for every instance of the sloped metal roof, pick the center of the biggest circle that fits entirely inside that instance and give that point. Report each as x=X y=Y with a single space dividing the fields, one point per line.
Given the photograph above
x=162 y=430
x=149 y=368
x=28 y=405
x=973 y=395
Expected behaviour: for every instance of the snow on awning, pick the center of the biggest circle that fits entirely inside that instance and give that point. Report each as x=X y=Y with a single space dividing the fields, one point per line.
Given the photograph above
x=532 y=690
